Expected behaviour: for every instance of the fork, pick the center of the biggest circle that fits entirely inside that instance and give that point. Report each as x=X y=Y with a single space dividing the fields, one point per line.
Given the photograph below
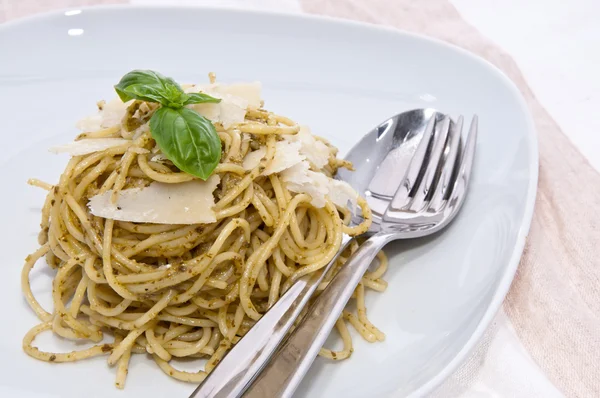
x=431 y=194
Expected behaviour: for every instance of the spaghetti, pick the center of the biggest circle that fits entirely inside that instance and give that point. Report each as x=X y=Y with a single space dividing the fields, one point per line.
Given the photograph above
x=185 y=291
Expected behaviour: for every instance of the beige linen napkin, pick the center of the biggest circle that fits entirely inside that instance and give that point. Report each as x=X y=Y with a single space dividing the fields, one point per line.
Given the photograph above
x=554 y=302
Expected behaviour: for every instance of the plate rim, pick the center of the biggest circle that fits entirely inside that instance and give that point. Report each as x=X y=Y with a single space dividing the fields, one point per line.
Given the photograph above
x=530 y=136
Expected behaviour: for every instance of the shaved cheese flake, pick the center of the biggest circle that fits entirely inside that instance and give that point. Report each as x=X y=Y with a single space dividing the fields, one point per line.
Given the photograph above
x=342 y=194
x=208 y=110
x=89 y=145
x=300 y=179
x=315 y=151
x=159 y=158
x=249 y=92
x=235 y=100
x=111 y=115
x=252 y=159
x=298 y=174
x=231 y=112
x=114 y=111
x=287 y=154
x=188 y=202
x=90 y=123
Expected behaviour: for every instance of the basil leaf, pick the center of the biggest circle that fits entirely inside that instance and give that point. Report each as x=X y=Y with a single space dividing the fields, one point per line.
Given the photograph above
x=199 y=98
x=150 y=86
x=187 y=139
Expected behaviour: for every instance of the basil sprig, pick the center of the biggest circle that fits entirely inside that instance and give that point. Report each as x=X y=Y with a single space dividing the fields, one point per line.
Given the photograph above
x=186 y=138
x=189 y=138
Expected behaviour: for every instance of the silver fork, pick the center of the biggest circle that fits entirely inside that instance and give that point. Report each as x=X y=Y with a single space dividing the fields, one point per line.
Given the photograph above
x=433 y=190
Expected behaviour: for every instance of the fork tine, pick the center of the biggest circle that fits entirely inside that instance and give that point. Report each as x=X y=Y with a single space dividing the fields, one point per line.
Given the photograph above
x=402 y=195
x=448 y=167
x=422 y=192
x=459 y=188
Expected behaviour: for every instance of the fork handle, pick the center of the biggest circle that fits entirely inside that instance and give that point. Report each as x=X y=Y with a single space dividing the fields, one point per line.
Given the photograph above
x=248 y=357
x=283 y=373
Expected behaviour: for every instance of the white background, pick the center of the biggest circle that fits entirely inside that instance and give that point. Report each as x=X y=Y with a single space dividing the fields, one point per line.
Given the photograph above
x=556 y=43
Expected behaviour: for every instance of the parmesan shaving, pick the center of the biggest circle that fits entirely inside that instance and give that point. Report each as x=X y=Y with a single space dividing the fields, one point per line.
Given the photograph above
x=293 y=158
x=89 y=145
x=90 y=123
x=252 y=159
x=287 y=154
x=342 y=194
x=300 y=179
x=231 y=111
x=314 y=150
x=188 y=202
x=235 y=100
x=210 y=111
x=159 y=158
x=111 y=115
x=251 y=92
x=227 y=112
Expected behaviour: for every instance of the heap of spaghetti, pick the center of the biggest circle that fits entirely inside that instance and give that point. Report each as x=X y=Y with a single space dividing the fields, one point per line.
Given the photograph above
x=176 y=290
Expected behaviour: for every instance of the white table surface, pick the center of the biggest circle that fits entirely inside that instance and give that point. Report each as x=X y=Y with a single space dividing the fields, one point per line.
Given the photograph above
x=556 y=44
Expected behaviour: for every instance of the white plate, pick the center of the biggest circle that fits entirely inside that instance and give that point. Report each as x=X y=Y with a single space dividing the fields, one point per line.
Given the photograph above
x=341 y=78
